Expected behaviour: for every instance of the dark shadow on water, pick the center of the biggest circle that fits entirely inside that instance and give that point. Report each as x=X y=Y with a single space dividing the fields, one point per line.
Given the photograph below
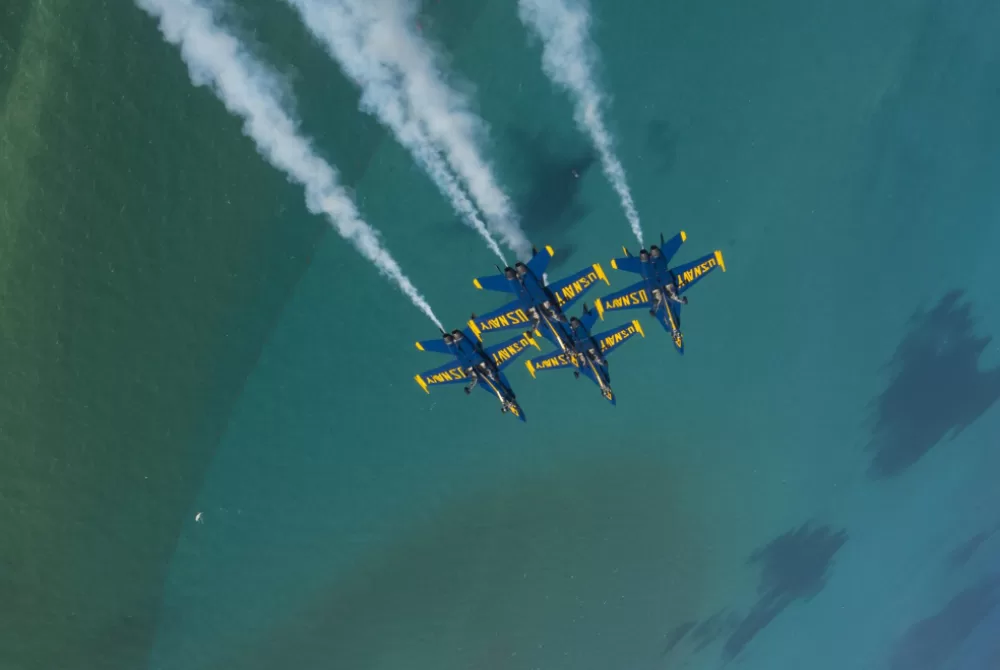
x=675 y=636
x=964 y=552
x=661 y=140
x=930 y=643
x=793 y=567
x=936 y=389
x=713 y=628
x=551 y=206
x=932 y=159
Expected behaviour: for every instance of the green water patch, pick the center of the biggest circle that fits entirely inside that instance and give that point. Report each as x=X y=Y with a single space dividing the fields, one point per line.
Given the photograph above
x=20 y=140
x=587 y=565
x=147 y=250
x=13 y=18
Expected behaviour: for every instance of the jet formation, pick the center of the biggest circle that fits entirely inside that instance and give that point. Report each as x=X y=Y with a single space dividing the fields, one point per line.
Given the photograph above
x=540 y=310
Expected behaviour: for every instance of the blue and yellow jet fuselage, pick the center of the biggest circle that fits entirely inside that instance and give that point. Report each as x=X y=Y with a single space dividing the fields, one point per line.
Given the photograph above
x=537 y=305
x=584 y=352
x=661 y=288
x=476 y=366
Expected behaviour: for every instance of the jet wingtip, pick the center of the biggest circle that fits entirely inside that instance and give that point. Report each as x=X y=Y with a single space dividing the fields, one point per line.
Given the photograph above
x=600 y=273
x=475 y=282
x=420 y=347
x=720 y=260
x=475 y=330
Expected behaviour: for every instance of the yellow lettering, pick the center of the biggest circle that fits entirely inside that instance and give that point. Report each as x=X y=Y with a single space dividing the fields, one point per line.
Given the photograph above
x=616 y=338
x=512 y=318
x=689 y=275
x=553 y=362
x=448 y=375
x=576 y=288
x=509 y=351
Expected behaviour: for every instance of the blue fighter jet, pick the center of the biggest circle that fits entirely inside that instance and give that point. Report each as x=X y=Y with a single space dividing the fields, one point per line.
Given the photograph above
x=586 y=353
x=661 y=288
x=537 y=305
x=476 y=366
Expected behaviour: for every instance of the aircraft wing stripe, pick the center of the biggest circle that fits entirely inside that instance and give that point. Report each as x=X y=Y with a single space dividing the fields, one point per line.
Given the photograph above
x=571 y=288
x=505 y=353
x=692 y=272
x=449 y=373
x=508 y=316
x=552 y=361
x=612 y=339
x=630 y=297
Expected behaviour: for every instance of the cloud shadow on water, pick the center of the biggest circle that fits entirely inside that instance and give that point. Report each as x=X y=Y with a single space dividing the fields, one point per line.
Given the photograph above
x=964 y=552
x=677 y=635
x=661 y=140
x=793 y=567
x=936 y=389
x=550 y=207
x=929 y=644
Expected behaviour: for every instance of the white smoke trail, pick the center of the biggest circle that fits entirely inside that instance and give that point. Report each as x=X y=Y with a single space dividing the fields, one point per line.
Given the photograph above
x=334 y=24
x=568 y=54
x=216 y=59
x=389 y=36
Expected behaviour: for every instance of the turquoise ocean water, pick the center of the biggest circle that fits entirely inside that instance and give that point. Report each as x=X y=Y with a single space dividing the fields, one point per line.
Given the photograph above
x=813 y=485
